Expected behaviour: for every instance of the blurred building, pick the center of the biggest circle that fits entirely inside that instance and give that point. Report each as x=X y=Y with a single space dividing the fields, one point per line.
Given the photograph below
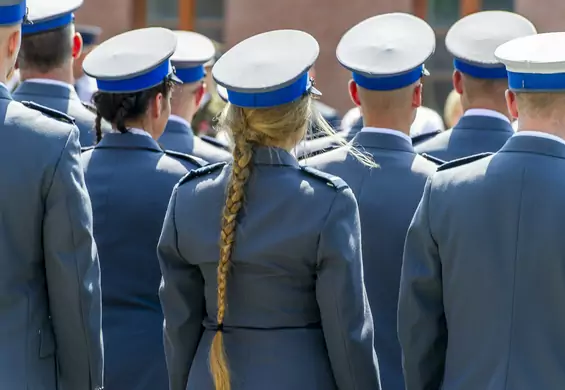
x=229 y=21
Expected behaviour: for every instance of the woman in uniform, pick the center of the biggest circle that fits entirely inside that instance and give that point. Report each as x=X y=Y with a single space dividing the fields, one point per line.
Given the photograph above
x=264 y=255
x=130 y=180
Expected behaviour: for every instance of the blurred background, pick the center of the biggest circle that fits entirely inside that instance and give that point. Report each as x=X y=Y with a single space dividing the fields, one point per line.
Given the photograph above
x=229 y=21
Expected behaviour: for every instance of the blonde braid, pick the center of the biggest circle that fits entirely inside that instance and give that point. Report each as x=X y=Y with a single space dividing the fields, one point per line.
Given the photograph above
x=242 y=154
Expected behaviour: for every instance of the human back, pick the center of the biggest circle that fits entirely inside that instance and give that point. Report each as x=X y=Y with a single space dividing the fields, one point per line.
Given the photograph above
x=267 y=296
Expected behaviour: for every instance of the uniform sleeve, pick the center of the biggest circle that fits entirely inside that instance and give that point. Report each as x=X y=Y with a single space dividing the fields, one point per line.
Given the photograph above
x=346 y=317
x=182 y=300
x=422 y=327
x=73 y=274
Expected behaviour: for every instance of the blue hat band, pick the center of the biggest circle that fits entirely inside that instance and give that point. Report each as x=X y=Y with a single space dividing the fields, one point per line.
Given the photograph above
x=538 y=82
x=52 y=24
x=480 y=72
x=389 y=83
x=271 y=99
x=190 y=75
x=13 y=14
x=138 y=83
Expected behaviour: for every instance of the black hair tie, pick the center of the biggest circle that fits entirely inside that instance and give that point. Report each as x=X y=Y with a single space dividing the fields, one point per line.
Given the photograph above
x=220 y=328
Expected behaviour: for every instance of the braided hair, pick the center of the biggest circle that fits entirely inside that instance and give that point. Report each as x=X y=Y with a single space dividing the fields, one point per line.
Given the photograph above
x=119 y=108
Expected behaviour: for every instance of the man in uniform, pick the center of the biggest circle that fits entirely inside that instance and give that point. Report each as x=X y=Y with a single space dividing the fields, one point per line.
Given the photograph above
x=481 y=81
x=193 y=51
x=387 y=86
x=483 y=275
x=84 y=84
x=49 y=46
x=50 y=310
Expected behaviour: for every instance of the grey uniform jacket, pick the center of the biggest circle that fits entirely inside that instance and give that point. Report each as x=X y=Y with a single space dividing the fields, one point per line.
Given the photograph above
x=480 y=301
x=387 y=197
x=313 y=147
x=180 y=138
x=298 y=316
x=50 y=312
x=471 y=135
x=130 y=180
x=60 y=98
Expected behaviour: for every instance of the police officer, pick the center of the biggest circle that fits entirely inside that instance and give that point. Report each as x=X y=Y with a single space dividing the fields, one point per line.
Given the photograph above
x=84 y=84
x=481 y=81
x=49 y=47
x=193 y=51
x=386 y=84
x=284 y=288
x=130 y=180
x=50 y=327
x=484 y=255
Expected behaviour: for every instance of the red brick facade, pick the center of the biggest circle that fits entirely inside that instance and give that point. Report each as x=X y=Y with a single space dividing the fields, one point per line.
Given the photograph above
x=327 y=20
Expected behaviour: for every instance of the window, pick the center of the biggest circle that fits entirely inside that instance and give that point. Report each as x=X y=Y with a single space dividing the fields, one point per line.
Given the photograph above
x=504 y=5
x=203 y=16
x=442 y=13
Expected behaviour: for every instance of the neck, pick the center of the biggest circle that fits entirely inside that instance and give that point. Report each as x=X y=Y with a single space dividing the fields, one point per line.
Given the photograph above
x=184 y=111
x=486 y=104
x=549 y=126
x=63 y=74
x=401 y=123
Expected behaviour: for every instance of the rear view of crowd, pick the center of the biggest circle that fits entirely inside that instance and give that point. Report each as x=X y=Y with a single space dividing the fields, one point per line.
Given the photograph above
x=281 y=250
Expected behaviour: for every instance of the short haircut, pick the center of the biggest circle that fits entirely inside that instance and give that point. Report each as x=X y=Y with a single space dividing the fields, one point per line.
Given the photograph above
x=476 y=88
x=541 y=104
x=47 y=50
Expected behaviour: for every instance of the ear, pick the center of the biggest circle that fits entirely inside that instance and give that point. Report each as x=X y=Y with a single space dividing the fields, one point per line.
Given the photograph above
x=511 y=103
x=417 y=95
x=199 y=94
x=458 y=82
x=157 y=105
x=14 y=43
x=354 y=93
x=77 y=45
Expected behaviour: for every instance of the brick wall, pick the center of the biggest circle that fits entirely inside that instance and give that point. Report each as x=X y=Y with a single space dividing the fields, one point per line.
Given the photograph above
x=547 y=15
x=326 y=23
x=114 y=16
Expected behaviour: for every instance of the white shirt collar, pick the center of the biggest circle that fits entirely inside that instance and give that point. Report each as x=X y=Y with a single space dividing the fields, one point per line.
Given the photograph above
x=133 y=130
x=539 y=134
x=52 y=82
x=486 y=112
x=387 y=131
x=181 y=120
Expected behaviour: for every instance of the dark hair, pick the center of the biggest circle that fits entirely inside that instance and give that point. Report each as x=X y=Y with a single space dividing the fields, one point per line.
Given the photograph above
x=46 y=51
x=118 y=108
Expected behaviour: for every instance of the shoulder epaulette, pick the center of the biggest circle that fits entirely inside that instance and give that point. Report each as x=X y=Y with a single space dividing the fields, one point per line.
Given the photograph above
x=433 y=159
x=424 y=137
x=215 y=142
x=61 y=116
x=86 y=148
x=463 y=161
x=90 y=107
x=186 y=157
x=331 y=180
x=205 y=170
x=315 y=153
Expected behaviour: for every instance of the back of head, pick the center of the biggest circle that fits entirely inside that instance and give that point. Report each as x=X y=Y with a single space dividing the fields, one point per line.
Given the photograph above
x=12 y=14
x=479 y=77
x=536 y=80
x=46 y=51
x=453 y=109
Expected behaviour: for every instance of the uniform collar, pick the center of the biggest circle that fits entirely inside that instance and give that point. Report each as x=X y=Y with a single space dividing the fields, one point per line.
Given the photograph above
x=483 y=122
x=4 y=92
x=177 y=124
x=486 y=112
x=263 y=155
x=539 y=134
x=44 y=87
x=527 y=142
x=129 y=140
x=371 y=137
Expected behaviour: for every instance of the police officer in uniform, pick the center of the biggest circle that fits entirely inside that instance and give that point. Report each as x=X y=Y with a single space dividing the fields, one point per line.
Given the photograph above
x=483 y=269
x=50 y=328
x=386 y=84
x=284 y=289
x=481 y=81
x=49 y=47
x=193 y=51
x=130 y=180
x=84 y=84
